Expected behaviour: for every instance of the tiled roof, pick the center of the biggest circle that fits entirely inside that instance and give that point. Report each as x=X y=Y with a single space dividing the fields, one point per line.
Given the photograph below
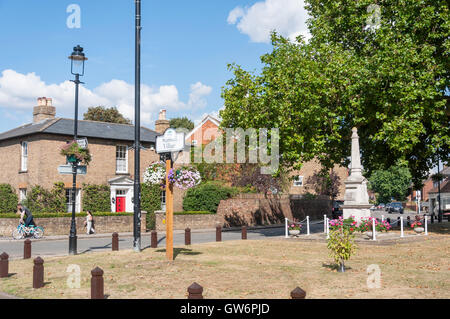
x=60 y=126
x=445 y=187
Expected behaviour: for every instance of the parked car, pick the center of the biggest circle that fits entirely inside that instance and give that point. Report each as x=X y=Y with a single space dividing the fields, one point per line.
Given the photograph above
x=337 y=209
x=381 y=206
x=396 y=207
x=387 y=207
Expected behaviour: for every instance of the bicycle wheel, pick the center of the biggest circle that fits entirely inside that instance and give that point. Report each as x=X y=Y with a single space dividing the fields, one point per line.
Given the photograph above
x=17 y=234
x=38 y=232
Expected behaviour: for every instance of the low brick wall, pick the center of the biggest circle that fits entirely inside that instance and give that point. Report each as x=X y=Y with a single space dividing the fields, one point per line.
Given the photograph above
x=253 y=210
x=61 y=226
x=192 y=221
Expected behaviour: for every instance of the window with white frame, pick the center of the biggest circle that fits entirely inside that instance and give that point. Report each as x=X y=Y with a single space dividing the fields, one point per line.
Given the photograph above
x=69 y=192
x=298 y=181
x=121 y=159
x=22 y=194
x=24 y=157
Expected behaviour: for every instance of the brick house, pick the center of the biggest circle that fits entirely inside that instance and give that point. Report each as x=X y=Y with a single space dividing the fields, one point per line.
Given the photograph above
x=30 y=156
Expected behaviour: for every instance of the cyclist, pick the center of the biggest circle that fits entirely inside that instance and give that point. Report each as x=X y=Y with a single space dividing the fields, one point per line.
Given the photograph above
x=25 y=212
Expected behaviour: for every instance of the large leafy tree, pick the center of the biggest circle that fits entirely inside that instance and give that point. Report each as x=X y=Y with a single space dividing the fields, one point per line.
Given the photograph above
x=391 y=183
x=103 y=114
x=182 y=122
x=389 y=81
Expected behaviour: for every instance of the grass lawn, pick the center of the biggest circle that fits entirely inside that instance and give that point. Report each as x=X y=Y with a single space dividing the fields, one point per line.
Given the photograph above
x=269 y=268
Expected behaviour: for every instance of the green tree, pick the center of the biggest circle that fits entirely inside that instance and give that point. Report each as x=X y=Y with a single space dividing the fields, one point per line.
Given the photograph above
x=150 y=202
x=389 y=82
x=182 y=122
x=391 y=183
x=8 y=199
x=103 y=114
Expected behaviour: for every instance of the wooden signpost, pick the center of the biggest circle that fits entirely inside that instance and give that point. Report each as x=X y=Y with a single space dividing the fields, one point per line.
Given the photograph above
x=167 y=144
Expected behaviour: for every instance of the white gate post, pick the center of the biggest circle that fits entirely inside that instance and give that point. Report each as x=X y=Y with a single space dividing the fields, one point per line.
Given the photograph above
x=374 y=236
x=324 y=223
x=382 y=218
x=401 y=225
x=328 y=228
x=307 y=225
x=286 y=227
x=426 y=225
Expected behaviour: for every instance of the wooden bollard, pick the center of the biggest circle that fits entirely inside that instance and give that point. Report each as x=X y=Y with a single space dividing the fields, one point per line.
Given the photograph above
x=195 y=291
x=115 y=241
x=4 y=267
x=154 y=239
x=219 y=233
x=298 y=293
x=244 y=232
x=27 y=249
x=97 y=285
x=187 y=236
x=38 y=273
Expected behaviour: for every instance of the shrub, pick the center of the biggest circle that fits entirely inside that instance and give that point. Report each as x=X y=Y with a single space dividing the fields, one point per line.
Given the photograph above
x=349 y=224
x=8 y=199
x=150 y=201
x=96 y=198
x=206 y=197
x=41 y=200
x=341 y=245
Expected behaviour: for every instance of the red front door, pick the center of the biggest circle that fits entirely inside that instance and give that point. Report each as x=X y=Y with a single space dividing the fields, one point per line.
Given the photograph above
x=120 y=204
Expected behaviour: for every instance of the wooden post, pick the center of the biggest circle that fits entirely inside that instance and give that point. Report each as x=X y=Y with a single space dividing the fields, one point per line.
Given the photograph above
x=4 y=267
x=154 y=239
x=38 y=273
x=97 y=284
x=195 y=291
x=169 y=213
x=187 y=236
x=27 y=249
x=298 y=293
x=219 y=233
x=115 y=241
x=244 y=232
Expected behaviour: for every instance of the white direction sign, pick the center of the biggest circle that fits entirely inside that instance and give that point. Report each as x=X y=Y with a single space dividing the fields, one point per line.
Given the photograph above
x=83 y=143
x=67 y=169
x=171 y=141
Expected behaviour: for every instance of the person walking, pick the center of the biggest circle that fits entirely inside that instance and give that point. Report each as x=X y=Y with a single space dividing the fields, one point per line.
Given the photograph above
x=89 y=223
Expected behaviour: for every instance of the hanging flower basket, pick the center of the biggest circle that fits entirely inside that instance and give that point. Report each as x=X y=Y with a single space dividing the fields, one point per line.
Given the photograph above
x=184 y=178
x=74 y=153
x=155 y=174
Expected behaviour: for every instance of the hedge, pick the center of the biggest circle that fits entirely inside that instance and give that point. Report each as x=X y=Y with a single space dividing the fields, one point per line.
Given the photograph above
x=150 y=201
x=41 y=200
x=207 y=196
x=8 y=199
x=96 y=198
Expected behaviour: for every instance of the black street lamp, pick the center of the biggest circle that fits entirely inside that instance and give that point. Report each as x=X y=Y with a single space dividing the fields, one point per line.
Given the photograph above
x=76 y=68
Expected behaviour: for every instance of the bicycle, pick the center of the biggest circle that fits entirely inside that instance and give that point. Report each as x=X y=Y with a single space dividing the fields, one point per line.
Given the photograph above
x=32 y=231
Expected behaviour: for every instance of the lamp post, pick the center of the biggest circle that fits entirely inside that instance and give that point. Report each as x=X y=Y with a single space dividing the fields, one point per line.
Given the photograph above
x=137 y=132
x=76 y=68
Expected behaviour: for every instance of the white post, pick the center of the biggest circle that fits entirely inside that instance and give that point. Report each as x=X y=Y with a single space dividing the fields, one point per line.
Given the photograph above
x=382 y=218
x=324 y=223
x=426 y=225
x=401 y=226
x=307 y=225
x=328 y=228
x=374 y=236
x=286 y=227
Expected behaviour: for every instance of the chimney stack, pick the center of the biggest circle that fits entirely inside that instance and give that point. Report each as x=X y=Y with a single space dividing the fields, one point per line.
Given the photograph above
x=162 y=124
x=44 y=110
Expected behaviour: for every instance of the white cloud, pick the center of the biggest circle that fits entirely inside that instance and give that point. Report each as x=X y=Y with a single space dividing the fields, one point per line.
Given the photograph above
x=20 y=92
x=287 y=17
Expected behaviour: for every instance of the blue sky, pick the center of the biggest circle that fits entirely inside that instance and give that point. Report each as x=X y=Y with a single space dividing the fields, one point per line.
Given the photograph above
x=186 y=46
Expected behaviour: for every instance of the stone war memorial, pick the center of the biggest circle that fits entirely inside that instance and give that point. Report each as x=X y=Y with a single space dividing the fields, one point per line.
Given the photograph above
x=356 y=198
